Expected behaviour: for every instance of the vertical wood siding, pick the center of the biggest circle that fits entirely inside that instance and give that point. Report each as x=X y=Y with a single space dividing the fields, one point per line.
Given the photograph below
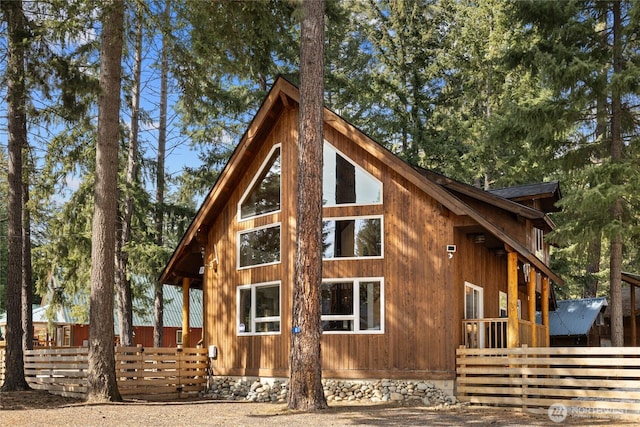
x=423 y=293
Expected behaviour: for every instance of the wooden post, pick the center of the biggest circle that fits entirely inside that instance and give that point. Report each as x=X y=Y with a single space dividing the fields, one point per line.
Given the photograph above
x=633 y=319
x=545 y=307
x=531 y=295
x=513 y=332
x=185 y=312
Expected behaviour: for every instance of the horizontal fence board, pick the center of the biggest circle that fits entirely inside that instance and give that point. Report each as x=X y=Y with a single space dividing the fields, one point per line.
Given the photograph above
x=139 y=371
x=602 y=380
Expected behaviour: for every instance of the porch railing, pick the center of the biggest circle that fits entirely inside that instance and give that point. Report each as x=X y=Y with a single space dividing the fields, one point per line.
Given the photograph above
x=492 y=333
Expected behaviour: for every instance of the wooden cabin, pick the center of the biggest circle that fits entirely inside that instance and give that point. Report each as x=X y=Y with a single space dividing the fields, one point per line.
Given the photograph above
x=579 y=323
x=415 y=264
x=630 y=309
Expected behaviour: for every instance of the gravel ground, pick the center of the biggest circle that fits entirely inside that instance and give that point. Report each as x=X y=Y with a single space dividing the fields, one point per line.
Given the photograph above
x=37 y=408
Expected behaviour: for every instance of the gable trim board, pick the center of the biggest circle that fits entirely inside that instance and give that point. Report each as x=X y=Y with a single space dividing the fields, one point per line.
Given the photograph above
x=440 y=188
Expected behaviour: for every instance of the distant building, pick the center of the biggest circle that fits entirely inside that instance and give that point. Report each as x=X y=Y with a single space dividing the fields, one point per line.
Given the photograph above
x=61 y=328
x=579 y=323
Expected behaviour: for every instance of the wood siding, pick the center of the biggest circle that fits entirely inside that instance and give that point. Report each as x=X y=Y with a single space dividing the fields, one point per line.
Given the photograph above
x=419 y=325
x=423 y=286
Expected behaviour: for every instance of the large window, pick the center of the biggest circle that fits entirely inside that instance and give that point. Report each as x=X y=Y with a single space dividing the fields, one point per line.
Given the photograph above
x=263 y=196
x=259 y=246
x=353 y=305
x=344 y=182
x=352 y=237
x=258 y=309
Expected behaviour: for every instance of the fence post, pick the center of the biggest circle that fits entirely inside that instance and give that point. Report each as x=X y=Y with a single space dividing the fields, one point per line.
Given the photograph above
x=525 y=376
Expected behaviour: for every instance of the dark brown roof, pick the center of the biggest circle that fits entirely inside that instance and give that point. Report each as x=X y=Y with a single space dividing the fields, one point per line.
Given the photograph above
x=547 y=192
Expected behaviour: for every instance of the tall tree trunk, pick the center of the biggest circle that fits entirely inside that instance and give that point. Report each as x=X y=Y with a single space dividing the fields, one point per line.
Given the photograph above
x=17 y=134
x=101 y=375
x=158 y=303
x=615 y=261
x=305 y=362
x=593 y=267
x=27 y=276
x=123 y=282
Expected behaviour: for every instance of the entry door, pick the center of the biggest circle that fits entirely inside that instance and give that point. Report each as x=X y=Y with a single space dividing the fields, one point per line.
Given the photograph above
x=474 y=309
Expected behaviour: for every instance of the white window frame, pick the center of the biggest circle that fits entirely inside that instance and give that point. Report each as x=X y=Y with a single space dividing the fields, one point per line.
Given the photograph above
x=355 y=218
x=538 y=243
x=254 y=320
x=348 y=159
x=355 y=317
x=250 y=230
x=480 y=291
x=253 y=182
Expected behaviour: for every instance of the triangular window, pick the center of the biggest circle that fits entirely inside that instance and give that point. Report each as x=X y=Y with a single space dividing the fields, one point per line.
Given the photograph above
x=344 y=182
x=263 y=196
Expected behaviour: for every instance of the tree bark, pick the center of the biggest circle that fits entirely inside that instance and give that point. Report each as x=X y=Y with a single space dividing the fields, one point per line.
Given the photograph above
x=158 y=319
x=101 y=375
x=123 y=282
x=615 y=258
x=27 y=276
x=17 y=140
x=305 y=362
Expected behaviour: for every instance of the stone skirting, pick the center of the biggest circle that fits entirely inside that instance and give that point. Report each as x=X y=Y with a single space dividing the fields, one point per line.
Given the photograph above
x=274 y=390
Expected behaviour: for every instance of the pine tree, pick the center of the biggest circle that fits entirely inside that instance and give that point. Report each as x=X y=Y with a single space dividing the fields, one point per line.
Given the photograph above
x=587 y=54
x=18 y=37
x=305 y=366
x=101 y=377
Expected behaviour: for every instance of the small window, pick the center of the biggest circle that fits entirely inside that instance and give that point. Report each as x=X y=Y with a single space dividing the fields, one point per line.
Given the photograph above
x=352 y=306
x=503 y=304
x=352 y=238
x=258 y=309
x=178 y=336
x=263 y=196
x=259 y=246
x=344 y=182
x=539 y=243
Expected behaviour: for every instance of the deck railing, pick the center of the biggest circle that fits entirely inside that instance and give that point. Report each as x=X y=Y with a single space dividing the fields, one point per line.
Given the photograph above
x=492 y=333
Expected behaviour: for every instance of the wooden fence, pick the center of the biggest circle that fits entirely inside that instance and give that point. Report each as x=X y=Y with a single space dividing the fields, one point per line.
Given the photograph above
x=1 y=366
x=161 y=372
x=140 y=372
x=582 y=381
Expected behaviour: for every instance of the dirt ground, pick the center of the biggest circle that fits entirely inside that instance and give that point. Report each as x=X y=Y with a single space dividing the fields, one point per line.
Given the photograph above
x=37 y=408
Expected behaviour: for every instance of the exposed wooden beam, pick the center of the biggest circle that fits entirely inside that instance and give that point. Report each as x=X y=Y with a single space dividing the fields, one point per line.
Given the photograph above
x=513 y=332
x=545 y=307
x=186 y=309
x=531 y=304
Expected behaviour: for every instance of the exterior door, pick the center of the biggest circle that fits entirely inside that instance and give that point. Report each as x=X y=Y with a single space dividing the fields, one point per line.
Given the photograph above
x=474 y=309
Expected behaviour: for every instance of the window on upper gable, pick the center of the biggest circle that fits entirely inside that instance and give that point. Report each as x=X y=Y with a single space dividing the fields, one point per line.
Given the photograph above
x=344 y=182
x=263 y=196
x=352 y=237
x=259 y=246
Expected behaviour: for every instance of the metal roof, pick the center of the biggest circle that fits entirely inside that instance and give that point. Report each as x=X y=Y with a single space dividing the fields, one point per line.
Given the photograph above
x=142 y=311
x=172 y=313
x=575 y=317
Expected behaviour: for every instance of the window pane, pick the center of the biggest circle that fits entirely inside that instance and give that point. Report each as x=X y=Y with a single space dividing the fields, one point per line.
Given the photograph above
x=343 y=182
x=267 y=326
x=264 y=196
x=337 y=298
x=337 y=325
x=245 y=310
x=370 y=306
x=267 y=301
x=352 y=238
x=260 y=246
